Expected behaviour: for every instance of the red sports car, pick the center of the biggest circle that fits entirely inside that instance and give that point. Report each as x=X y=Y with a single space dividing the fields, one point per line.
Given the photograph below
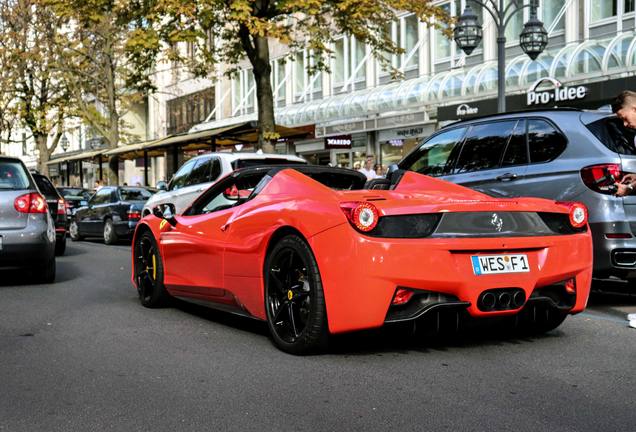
x=315 y=251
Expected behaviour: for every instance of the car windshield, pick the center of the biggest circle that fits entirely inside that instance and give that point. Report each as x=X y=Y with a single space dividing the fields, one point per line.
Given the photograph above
x=247 y=163
x=13 y=176
x=134 y=194
x=616 y=137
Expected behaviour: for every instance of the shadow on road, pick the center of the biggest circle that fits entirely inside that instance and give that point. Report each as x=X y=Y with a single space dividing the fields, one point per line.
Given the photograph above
x=613 y=294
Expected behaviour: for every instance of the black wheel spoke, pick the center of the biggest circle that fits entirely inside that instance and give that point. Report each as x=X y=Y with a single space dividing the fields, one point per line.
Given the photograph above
x=277 y=282
x=292 y=321
x=281 y=308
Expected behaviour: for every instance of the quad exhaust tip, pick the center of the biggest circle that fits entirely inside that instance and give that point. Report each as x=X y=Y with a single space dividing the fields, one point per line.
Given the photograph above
x=501 y=299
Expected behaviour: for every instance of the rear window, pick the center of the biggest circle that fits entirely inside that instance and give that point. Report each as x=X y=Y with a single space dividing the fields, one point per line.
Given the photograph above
x=247 y=163
x=134 y=194
x=616 y=137
x=13 y=176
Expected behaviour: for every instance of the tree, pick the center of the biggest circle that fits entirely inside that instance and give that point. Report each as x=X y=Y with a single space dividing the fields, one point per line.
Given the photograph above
x=226 y=31
x=35 y=91
x=101 y=81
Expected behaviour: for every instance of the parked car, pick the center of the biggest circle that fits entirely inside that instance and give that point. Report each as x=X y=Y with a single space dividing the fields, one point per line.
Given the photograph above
x=111 y=213
x=27 y=231
x=311 y=251
x=57 y=208
x=199 y=173
x=73 y=197
x=560 y=154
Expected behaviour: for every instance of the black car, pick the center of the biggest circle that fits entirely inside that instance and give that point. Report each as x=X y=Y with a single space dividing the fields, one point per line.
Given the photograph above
x=112 y=213
x=57 y=208
x=73 y=197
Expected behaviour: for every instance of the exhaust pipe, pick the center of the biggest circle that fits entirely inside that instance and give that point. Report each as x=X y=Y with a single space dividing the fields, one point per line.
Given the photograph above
x=488 y=301
x=518 y=299
x=504 y=300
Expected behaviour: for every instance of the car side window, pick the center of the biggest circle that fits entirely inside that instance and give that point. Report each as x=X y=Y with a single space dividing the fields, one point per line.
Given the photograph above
x=102 y=196
x=215 y=170
x=180 y=178
x=517 y=151
x=200 y=173
x=484 y=146
x=436 y=157
x=544 y=141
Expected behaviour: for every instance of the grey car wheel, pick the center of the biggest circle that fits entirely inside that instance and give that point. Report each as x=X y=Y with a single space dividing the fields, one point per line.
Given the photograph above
x=73 y=230
x=110 y=236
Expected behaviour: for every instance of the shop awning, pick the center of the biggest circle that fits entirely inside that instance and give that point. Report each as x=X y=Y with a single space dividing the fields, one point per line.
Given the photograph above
x=78 y=156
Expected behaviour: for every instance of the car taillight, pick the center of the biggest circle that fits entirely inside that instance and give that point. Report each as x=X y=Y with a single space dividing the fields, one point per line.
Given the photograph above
x=602 y=178
x=577 y=213
x=361 y=214
x=134 y=215
x=61 y=207
x=30 y=203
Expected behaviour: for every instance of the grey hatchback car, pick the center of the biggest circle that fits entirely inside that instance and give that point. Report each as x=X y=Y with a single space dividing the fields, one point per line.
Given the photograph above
x=27 y=232
x=559 y=154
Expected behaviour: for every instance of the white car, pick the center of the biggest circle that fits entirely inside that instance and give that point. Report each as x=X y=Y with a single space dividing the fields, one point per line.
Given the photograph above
x=199 y=173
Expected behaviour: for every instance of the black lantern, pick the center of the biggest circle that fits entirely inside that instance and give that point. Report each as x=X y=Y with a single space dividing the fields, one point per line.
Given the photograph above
x=534 y=38
x=467 y=33
x=64 y=142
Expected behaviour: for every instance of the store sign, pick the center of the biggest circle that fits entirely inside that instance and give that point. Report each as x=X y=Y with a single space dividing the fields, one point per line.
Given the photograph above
x=338 y=142
x=555 y=95
x=464 y=109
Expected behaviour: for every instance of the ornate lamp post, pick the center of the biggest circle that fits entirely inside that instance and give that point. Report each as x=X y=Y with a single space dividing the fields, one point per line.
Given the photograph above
x=533 y=38
x=64 y=142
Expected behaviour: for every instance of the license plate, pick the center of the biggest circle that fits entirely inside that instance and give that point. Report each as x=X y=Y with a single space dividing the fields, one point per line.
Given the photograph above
x=495 y=264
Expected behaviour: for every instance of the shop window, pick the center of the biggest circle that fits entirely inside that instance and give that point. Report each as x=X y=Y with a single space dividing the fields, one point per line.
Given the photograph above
x=484 y=146
x=544 y=141
x=393 y=151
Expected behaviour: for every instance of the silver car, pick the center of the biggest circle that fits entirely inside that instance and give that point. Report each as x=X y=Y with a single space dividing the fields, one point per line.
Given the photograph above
x=199 y=173
x=27 y=231
x=561 y=154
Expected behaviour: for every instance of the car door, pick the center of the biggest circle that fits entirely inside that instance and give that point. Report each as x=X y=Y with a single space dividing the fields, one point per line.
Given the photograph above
x=93 y=223
x=193 y=249
x=493 y=157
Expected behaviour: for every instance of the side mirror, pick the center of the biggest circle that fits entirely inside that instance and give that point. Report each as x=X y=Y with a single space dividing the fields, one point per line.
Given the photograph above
x=167 y=212
x=162 y=186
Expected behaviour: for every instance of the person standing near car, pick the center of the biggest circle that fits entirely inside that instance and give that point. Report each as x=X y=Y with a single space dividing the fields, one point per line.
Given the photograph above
x=624 y=106
x=368 y=169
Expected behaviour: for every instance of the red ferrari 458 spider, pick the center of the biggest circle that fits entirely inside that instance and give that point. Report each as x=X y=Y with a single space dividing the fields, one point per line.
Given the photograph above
x=315 y=251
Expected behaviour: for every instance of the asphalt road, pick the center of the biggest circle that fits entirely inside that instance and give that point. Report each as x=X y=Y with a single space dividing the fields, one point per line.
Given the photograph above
x=83 y=355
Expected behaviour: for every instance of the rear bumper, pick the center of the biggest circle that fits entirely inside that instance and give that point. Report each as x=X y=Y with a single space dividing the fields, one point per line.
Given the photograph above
x=125 y=229
x=359 y=286
x=27 y=247
x=613 y=257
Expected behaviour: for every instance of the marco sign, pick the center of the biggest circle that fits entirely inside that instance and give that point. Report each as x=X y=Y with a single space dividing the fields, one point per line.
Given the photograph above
x=559 y=93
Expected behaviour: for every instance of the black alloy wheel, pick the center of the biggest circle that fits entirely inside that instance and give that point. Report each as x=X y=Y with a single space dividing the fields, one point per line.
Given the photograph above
x=149 y=272
x=294 y=299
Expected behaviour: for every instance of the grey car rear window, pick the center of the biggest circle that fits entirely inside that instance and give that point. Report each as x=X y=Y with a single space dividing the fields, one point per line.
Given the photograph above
x=13 y=176
x=616 y=137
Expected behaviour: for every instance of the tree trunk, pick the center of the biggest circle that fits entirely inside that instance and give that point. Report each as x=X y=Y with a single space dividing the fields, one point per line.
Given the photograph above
x=265 y=98
x=43 y=154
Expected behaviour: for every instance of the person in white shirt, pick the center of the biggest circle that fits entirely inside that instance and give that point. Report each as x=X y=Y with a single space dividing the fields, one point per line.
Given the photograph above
x=367 y=169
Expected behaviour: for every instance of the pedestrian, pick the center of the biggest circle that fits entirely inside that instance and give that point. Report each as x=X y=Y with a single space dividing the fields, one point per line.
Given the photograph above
x=624 y=106
x=379 y=169
x=125 y=184
x=367 y=169
x=98 y=184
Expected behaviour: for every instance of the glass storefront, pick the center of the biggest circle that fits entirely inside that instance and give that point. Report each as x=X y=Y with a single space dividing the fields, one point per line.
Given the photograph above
x=394 y=150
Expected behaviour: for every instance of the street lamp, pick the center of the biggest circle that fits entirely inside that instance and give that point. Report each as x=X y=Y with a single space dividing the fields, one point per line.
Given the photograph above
x=533 y=38
x=64 y=142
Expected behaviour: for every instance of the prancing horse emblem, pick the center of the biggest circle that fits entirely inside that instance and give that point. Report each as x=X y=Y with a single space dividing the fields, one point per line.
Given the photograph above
x=497 y=222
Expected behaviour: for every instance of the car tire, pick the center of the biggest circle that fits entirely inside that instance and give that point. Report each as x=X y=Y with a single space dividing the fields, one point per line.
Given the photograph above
x=60 y=246
x=294 y=298
x=110 y=236
x=46 y=274
x=148 y=272
x=73 y=230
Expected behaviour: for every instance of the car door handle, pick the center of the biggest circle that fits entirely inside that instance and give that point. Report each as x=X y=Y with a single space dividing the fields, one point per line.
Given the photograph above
x=224 y=227
x=506 y=177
